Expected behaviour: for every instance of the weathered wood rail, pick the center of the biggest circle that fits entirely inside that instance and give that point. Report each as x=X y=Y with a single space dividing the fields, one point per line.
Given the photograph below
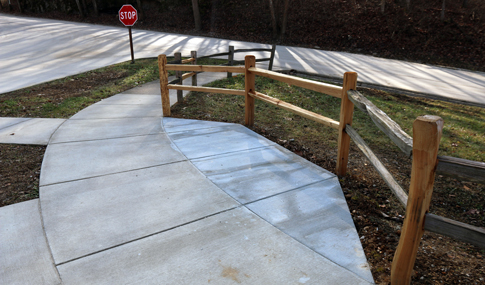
x=426 y=163
x=422 y=148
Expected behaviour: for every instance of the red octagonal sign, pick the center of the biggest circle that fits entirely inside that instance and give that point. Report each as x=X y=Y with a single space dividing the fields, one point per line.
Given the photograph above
x=128 y=15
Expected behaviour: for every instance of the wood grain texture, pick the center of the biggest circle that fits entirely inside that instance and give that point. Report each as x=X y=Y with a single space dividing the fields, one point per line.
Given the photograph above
x=162 y=63
x=381 y=169
x=462 y=169
x=383 y=122
x=346 y=113
x=454 y=229
x=426 y=138
x=249 y=83
x=329 y=89
x=207 y=89
x=189 y=60
x=296 y=110
x=206 y=68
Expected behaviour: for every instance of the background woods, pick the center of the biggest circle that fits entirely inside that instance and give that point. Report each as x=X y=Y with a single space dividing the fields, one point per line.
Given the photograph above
x=444 y=32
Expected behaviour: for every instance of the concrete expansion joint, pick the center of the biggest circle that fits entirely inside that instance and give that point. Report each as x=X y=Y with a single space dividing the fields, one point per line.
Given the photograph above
x=106 y=139
x=113 y=173
x=147 y=236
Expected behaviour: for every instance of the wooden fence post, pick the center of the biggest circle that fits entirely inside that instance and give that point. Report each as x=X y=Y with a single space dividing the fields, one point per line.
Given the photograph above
x=426 y=139
x=193 y=54
x=271 y=59
x=162 y=69
x=249 y=82
x=178 y=75
x=230 y=60
x=346 y=112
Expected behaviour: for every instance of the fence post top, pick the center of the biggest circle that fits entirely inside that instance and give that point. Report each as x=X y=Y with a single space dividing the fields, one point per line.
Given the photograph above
x=249 y=56
x=430 y=119
x=162 y=56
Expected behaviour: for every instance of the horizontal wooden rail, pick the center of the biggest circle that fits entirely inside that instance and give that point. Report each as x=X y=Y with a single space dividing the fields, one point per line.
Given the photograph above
x=297 y=110
x=383 y=172
x=207 y=68
x=213 y=55
x=383 y=122
x=454 y=229
x=329 y=89
x=207 y=89
x=188 y=60
x=188 y=75
x=175 y=61
x=253 y=49
x=257 y=60
x=464 y=169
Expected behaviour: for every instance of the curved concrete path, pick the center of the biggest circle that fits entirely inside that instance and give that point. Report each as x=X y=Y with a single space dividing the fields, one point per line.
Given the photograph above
x=38 y=50
x=129 y=198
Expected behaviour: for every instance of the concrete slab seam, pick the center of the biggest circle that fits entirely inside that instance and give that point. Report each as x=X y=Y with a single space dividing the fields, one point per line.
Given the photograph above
x=39 y=207
x=17 y=123
x=306 y=246
x=147 y=236
x=107 y=174
x=102 y=139
x=284 y=192
x=50 y=138
x=114 y=118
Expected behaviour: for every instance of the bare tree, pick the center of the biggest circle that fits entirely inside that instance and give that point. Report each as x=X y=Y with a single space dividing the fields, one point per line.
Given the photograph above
x=383 y=6
x=279 y=17
x=95 y=7
x=140 y=8
x=195 y=8
x=443 y=10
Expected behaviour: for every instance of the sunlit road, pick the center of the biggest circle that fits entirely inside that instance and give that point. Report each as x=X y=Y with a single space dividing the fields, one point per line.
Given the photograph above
x=38 y=50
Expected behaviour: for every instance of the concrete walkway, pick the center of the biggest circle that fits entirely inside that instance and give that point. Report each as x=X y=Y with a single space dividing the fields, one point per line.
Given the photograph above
x=37 y=50
x=129 y=198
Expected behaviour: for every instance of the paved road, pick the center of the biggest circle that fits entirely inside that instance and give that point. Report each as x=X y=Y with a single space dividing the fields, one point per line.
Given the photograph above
x=38 y=50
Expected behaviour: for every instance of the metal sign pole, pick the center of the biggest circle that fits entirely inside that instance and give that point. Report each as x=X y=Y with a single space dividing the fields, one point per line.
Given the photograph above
x=131 y=46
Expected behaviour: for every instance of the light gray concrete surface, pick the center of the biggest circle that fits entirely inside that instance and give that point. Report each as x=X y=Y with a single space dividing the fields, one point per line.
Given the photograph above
x=132 y=99
x=102 y=212
x=37 y=50
x=103 y=111
x=97 y=129
x=266 y=171
x=228 y=248
x=148 y=201
x=217 y=140
x=77 y=160
x=25 y=257
x=7 y=121
x=29 y=131
x=317 y=216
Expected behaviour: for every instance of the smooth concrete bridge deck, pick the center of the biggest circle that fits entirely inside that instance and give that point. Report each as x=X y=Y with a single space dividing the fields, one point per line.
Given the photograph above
x=127 y=197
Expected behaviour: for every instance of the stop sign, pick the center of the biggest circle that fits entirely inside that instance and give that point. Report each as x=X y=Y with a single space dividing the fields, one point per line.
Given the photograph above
x=128 y=15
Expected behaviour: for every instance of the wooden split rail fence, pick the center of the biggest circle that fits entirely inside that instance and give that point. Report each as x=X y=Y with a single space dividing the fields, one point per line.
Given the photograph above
x=422 y=147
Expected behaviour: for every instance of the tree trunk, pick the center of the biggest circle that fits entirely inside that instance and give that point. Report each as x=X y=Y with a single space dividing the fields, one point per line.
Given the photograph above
x=20 y=6
x=195 y=7
x=465 y=2
x=273 y=19
x=95 y=7
x=408 y=4
x=85 y=8
x=285 y=20
x=140 y=9
x=443 y=11
x=383 y=6
x=80 y=8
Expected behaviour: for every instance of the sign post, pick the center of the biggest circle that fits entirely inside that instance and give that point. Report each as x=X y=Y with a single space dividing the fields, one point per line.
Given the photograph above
x=128 y=17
